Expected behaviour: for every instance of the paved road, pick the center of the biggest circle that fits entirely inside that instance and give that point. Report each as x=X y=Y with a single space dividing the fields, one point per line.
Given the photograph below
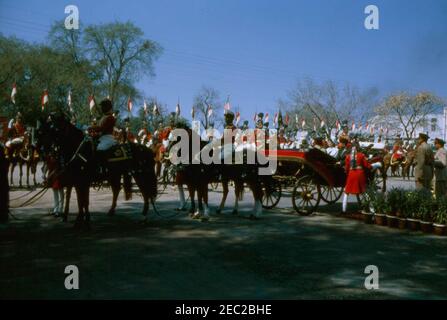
x=280 y=256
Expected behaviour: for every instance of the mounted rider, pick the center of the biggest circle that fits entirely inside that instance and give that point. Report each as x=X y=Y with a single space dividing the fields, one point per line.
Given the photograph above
x=105 y=127
x=398 y=152
x=144 y=135
x=16 y=134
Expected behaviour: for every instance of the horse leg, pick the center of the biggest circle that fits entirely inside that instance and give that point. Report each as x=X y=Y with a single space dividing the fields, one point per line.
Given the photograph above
x=115 y=183
x=20 y=174
x=192 y=194
x=238 y=188
x=11 y=182
x=67 y=203
x=256 y=190
x=80 y=218
x=142 y=185
x=204 y=201
x=86 y=204
x=224 y=196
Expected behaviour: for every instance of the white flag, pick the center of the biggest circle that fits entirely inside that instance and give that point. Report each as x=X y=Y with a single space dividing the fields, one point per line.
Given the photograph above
x=13 y=93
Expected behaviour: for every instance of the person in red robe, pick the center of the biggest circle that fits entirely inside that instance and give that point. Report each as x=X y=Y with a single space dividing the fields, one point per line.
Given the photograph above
x=356 y=165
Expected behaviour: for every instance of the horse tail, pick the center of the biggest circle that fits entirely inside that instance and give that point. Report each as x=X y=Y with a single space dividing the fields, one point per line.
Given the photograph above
x=127 y=184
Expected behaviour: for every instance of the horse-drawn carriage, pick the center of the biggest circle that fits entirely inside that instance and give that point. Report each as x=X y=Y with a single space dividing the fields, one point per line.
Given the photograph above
x=312 y=176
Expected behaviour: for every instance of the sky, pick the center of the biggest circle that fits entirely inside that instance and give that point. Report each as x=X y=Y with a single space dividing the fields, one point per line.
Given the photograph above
x=256 y=50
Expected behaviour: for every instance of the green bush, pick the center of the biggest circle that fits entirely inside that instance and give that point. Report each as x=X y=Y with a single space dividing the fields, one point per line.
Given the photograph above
x=396 y=199
x=440 y=213
x=419 y=204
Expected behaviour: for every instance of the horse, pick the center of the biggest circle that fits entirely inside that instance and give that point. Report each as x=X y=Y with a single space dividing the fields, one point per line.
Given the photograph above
x=197 y=177
x=80 y=161
x=31 y=160
x=15 y=154
x=408 y=164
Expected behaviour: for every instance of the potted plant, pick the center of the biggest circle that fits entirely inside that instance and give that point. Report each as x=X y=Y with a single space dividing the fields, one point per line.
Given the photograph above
x=426 y=209
x=379 y=206
x=440 y=217
x=366 y=206
x=412 y=212
x=395 y=199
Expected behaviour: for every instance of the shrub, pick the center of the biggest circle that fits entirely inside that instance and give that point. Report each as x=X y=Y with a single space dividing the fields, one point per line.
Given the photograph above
x=440 y=213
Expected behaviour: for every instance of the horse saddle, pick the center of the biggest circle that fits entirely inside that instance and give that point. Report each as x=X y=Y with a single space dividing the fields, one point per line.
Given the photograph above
x=120 y=152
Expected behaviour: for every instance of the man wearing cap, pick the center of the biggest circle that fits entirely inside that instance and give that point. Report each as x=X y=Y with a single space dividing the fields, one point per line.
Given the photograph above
x=440 y=169
x=424 y=158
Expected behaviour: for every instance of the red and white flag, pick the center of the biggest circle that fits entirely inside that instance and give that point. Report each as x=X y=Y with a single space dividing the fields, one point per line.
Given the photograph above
x=177 y=109
x=69 y=102
x=209 y=112
x=275 y=118
x=366 y=126
x=155 y=110
x=266 y=117
x=193 y=113
x=13 y=93
x=371 y=129
x=303 y=123
x=91 y=102
x=145 y=107
x=129 y=105
x=353 y=126
x=227 y=106
x=322 y=123
x=255 y=118
x=238 y=117
x=287 y=119
x=360 y=127
x=44 y=99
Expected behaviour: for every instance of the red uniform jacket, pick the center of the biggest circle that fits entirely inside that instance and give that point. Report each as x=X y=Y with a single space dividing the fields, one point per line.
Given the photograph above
x=356 y=180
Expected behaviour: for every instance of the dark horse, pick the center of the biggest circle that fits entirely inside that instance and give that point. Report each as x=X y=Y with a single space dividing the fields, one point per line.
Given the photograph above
x=79 y=163
x=198 y=176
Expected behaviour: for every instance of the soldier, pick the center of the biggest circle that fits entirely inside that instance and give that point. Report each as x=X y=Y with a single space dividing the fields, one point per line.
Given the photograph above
x=16 y=131
x=319 y=144
x=144 y=134
x=127 y=135
x=440 y=169
x=424 y=158
x=228 y=138
x=345 y=131
x=105 y=127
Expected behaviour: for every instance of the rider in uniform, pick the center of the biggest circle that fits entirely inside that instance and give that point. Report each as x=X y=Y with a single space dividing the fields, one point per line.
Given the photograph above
x=16 y=133
x=228 y=137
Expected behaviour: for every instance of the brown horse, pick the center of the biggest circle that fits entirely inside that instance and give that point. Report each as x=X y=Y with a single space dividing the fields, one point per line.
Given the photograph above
x=80 y=162
x=15 y=154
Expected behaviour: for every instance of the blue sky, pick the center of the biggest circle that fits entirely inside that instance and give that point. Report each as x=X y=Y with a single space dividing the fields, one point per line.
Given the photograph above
x=255 y=50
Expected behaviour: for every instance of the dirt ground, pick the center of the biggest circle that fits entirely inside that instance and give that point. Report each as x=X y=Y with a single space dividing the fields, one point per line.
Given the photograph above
x=281 y=256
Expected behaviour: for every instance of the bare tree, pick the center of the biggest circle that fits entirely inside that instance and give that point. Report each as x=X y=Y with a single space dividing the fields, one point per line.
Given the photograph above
x=329 y=102
x=409 y=112
x=208 y=98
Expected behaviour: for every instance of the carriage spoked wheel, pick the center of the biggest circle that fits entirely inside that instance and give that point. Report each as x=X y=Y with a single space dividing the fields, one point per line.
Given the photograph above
x=330 y=195
x=306 y=196
x=271 y=193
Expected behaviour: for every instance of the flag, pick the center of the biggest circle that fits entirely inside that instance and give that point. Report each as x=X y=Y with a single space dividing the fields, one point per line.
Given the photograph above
x=297 y=120
x=353 y=126
x=227 y=106
x=155 y=110
x=371 y=129
x=275 y=119
x=366 y=126
x=266 y=117
x=360 y=127
x=337 y=125
x=69 y=102
x=193 y=114
x=91 y=102
x=13 y=93
x=45 y=99
x=238 y=117
x=177 y=109
x=129 y=105
x=255 y=117
x=145 y=107
x=303 y=123
x=322 y=123
x=209 y=111
x=286 y=120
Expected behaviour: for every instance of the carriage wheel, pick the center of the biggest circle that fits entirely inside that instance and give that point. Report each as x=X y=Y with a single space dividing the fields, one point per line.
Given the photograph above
x=271 y=193
x=329 y=194
x=306 y=196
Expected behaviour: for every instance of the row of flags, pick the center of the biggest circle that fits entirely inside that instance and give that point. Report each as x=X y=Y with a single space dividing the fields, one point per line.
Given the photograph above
x=209 y=112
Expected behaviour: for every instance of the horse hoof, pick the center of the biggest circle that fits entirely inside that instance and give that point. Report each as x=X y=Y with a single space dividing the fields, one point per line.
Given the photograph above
x=196 y=215
x=235 y=212
x=111 y=213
